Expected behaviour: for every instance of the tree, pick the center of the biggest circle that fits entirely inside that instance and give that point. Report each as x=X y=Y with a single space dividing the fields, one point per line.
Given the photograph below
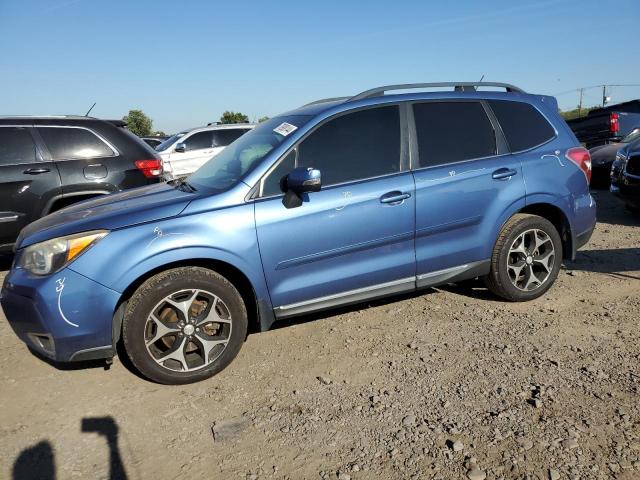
x=234 y=117
x=263 y=119
x=138 y=123
x=575 y=113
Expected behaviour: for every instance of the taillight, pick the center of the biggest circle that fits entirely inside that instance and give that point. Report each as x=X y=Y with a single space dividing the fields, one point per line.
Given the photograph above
x=150 y=168
x=582 y=158
x=614 y=125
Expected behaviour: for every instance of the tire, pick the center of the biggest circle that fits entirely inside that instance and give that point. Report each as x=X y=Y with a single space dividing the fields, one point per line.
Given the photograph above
x=514 y=258
x=198 y=345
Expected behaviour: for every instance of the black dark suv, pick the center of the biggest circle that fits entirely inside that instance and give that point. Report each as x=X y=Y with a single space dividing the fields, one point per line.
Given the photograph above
x=47 y=163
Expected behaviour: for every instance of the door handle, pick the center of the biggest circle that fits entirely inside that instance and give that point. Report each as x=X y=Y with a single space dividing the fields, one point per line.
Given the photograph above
x=36 y=171
x=394 y=197
x=503 y=173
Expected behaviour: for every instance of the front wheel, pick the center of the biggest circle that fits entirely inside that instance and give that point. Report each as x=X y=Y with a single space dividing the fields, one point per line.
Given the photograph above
x=526 y=258
x=184 y=325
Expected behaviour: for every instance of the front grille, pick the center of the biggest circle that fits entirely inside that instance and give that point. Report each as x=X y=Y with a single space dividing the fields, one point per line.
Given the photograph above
x=633 y=165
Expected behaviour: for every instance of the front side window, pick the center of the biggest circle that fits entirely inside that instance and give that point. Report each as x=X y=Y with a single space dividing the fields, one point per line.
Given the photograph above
x=170 y=141
x=354 y=146
x=16 y=146
x=228 y=167
x=199 y=141
x=222 y=138
x=73 y=143
x=523 y=125
x=450 y=132
x=271 y=184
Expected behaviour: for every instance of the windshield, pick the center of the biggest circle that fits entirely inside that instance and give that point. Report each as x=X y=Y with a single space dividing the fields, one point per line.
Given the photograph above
x=225 y=169
x=169 y=141
x=631 y=136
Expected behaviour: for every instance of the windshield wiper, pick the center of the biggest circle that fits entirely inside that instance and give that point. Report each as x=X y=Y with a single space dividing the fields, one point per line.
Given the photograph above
x=182 y=184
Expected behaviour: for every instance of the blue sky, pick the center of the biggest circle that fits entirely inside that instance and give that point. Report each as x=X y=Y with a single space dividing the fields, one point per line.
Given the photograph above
x=186 y=62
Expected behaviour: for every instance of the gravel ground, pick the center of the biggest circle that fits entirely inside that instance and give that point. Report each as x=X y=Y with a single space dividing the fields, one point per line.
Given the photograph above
x=446 y=383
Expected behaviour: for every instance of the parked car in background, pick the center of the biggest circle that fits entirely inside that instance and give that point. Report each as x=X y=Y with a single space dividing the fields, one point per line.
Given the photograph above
x=602 y=158
x=47 y=163
x=625 y=175
x=337 y=202
x=186 y=151
x=153 y=142
x=606 y=125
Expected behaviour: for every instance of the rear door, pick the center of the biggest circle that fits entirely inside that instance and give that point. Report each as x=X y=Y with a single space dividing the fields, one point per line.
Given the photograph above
x=198 y=149
x=27 y=182
x=82 y=158
x=465 y=180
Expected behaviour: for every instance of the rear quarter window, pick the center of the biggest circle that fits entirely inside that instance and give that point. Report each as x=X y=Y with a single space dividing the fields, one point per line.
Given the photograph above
x=74 y=143
x=523 y=125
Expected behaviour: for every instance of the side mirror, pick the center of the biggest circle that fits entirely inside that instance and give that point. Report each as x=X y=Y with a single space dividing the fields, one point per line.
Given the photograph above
x=181 y=147
x=303 y=179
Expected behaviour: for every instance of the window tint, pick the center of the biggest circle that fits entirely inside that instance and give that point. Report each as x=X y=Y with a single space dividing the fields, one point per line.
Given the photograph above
x=522 y=124
x=452 y=131
x=66 y=143
x=271 y=185
x=199 y=140
x=222 y=138
x=357 y=145
x=16 y=146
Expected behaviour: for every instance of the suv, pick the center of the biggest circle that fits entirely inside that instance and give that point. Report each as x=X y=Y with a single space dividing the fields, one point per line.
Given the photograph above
x=185 y=152
x=47 y=163
x=625 y=175
x=334 y=203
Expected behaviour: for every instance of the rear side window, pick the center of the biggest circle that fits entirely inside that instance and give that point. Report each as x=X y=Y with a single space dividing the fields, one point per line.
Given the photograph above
x=16 y=146
x=222 y=138
x=199 y=140
x=450 y=132
x=69 y=143
x=522 y=124
x=354 y=146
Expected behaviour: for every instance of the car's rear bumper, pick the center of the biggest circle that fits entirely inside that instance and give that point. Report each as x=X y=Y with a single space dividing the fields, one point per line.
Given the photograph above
x=65 y=317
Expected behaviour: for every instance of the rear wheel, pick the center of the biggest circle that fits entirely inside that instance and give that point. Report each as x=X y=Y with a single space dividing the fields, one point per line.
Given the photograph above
x=526 y=258
x=184 y=325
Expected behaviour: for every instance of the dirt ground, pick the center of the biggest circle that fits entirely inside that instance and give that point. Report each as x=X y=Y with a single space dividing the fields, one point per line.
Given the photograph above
x=446 y=383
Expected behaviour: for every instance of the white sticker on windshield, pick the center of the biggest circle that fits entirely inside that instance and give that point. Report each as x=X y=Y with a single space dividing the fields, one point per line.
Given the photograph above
x=285 y=129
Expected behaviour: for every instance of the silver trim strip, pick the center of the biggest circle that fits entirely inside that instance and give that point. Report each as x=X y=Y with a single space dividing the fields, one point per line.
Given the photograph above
x=443 y=271
x=10 y=218
x=348 y=293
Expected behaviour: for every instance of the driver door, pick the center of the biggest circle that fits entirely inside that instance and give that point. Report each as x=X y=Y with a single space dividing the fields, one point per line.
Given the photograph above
x=198 y=149
x=352 y=240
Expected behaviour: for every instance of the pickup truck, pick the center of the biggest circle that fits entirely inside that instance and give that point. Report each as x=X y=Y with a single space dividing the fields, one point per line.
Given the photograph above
x=608 y=124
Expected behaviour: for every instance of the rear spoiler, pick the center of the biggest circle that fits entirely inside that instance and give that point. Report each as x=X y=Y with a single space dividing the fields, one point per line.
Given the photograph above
x=117 y=123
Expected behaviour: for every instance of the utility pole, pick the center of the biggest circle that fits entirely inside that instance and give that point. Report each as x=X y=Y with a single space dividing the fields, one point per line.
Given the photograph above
x=604 y=95
x=580 y=104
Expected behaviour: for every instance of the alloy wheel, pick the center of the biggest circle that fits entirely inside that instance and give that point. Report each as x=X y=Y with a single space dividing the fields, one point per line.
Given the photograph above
x=188 y=330
x=531 y=259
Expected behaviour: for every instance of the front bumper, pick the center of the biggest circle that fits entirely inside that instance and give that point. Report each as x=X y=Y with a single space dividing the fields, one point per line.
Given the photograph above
x=65 y=316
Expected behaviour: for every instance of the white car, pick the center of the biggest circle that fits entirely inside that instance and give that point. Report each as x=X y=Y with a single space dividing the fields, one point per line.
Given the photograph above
x=184 y=152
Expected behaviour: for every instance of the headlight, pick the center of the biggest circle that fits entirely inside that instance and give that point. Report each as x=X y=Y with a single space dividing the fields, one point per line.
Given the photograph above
x=50 y=256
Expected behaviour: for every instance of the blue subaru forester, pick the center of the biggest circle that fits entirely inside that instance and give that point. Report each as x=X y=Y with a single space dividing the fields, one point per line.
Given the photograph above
x=339 y=201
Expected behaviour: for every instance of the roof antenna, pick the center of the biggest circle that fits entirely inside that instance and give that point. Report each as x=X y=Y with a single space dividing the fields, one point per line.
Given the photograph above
x=89 y=111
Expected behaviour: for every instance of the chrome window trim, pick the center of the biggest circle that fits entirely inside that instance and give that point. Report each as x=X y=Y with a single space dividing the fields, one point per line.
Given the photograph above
x=114 y=150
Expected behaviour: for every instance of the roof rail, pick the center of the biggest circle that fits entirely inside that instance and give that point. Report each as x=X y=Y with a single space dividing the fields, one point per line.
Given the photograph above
x=325 y=100
x=460 y=86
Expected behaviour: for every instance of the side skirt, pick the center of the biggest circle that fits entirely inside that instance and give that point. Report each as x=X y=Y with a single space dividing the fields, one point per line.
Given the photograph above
x=448 y=275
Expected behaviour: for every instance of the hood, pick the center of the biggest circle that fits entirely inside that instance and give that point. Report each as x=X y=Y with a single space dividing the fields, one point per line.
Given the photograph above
x=109 y=212
x=604 y=153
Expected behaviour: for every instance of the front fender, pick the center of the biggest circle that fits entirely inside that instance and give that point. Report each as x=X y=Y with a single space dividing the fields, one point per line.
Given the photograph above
x=226 y=235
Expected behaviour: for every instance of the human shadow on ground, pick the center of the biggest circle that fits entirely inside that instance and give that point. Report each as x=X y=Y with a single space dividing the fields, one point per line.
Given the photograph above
x=38 y=461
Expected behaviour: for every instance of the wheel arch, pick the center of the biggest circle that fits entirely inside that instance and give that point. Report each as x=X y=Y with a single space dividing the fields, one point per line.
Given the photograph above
x=560 y=221
x=259 y=313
